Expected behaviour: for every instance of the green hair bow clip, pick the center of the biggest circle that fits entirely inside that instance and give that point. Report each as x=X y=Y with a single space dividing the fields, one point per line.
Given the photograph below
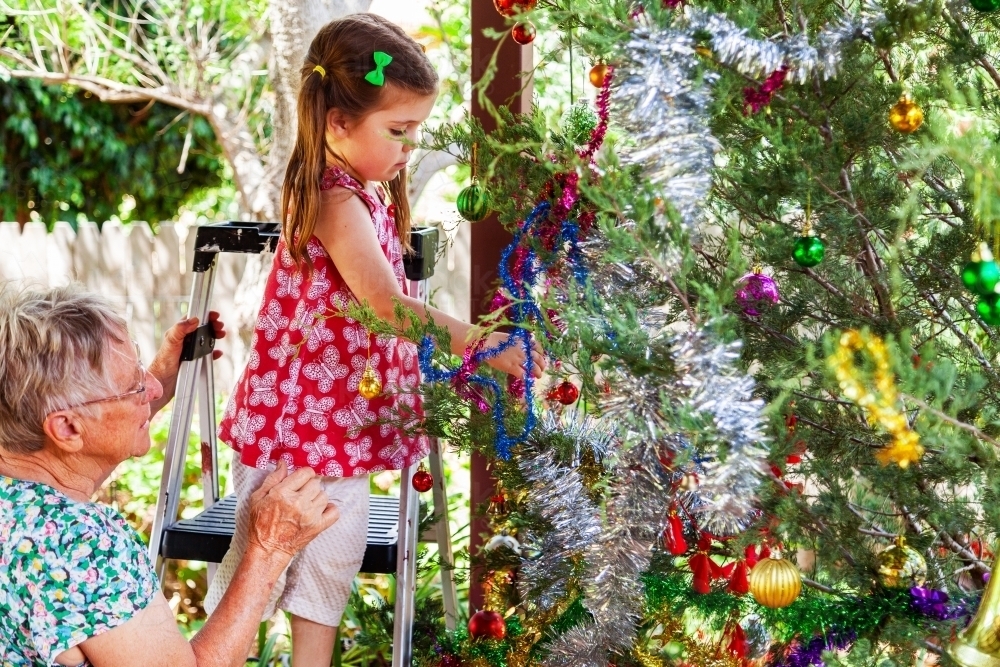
x=376 y=77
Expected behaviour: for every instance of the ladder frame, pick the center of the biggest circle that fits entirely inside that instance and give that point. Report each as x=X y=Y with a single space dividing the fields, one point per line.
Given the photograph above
x=195 y=383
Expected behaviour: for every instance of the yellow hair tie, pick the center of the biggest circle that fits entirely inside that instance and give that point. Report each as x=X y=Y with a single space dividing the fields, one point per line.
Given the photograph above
x=322 y=72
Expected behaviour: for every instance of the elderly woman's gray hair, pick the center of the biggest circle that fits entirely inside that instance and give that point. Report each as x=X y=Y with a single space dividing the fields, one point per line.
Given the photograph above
x=53 y=351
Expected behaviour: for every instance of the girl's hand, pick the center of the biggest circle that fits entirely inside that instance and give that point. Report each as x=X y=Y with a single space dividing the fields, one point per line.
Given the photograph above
x=511 y=360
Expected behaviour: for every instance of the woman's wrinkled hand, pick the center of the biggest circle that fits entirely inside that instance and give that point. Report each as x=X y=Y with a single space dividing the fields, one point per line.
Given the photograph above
x=512 y=360
x=168 y=358
x=288 y=511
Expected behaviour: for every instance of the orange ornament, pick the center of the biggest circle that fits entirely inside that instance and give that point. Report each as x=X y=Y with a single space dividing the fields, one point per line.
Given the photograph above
x=597 y=75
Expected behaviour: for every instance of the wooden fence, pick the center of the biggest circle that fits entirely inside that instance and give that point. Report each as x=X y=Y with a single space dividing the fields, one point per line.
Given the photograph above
x=148 y=275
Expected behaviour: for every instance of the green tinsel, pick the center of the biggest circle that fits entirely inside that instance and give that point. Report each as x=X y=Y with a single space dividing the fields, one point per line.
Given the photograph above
x=813 y=613
x=492 y=650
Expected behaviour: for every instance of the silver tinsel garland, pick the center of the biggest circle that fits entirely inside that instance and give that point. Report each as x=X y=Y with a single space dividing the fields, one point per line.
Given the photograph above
x=635 y=513
x=557 y=492
x=732 y=45
x=714 y=387
x=662 y=105
x=574 y=522
x=662 y=96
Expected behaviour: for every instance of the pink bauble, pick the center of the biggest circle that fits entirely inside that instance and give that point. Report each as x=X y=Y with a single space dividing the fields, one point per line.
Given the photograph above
x=755 y=293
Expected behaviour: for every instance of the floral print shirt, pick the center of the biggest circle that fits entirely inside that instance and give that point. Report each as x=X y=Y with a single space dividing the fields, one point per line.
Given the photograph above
x=68 y=571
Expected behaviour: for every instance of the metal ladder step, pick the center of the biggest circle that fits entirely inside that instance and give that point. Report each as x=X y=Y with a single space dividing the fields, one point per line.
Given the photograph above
x=206 y=537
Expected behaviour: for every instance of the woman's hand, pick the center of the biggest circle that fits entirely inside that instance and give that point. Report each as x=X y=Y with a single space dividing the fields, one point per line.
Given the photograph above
x=168 y=358
x=288 y=511
x=512 y=359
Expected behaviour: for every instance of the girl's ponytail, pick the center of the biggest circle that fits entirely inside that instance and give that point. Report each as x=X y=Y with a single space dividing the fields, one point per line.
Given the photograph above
x=300 y=193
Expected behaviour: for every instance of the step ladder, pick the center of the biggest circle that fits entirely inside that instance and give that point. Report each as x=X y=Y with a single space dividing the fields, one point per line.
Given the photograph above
x=393 y=523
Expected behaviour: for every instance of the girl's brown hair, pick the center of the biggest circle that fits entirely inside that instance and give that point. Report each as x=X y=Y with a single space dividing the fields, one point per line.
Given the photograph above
x=344 y=48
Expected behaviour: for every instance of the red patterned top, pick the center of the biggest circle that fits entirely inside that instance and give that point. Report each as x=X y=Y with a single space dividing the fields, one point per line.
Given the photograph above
x=298 y=399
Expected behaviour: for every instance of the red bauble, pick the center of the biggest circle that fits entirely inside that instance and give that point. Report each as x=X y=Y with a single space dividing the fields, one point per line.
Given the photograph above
x=511 y=7
x=487 y=625
x=565 y=392
x=422 y=481
x=523 y=33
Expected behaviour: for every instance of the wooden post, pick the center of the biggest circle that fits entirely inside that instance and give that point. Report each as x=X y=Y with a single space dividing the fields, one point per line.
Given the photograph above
x=488 y=236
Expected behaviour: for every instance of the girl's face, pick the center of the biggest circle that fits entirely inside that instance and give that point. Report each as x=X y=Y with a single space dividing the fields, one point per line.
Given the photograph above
x=377 y=146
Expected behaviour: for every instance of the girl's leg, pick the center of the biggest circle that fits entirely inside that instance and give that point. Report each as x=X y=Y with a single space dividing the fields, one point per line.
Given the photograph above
x=312 y=643
x=320 y=579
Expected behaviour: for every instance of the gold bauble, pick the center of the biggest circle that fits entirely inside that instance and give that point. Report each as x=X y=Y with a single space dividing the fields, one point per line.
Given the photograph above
x=906 y=116
x=369 y=386
x=775 y=582
x=901 y=566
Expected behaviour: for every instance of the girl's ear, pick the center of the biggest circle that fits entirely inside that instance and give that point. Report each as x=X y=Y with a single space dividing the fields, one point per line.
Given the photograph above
x=337 y=124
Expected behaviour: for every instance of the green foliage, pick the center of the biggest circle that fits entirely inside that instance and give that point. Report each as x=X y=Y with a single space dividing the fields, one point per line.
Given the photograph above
x=65 y=156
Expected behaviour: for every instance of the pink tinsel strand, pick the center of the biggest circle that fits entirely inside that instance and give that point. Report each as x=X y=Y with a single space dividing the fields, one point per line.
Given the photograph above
x=755 y=99
x=461 y=380
x=568 y=197
x=603 y=98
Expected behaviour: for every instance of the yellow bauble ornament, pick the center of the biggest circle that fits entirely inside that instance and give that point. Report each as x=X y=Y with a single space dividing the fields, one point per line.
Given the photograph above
x=369 y=386
x=901 y=566
x=906 y=116
x=775 y=582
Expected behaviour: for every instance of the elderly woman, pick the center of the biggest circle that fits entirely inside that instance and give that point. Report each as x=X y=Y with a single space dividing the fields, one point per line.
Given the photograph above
x=76 y=584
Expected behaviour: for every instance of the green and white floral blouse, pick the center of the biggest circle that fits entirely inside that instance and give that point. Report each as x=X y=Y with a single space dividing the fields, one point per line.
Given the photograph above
x=68 y=571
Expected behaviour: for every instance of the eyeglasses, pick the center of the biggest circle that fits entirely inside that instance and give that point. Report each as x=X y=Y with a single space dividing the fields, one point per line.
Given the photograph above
x=141 y=390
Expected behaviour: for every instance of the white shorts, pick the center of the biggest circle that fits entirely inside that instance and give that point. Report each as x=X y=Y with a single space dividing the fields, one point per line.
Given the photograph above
x=317 y=582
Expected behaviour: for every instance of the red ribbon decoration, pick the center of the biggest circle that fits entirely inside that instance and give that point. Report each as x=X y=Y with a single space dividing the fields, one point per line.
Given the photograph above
x=673 y=535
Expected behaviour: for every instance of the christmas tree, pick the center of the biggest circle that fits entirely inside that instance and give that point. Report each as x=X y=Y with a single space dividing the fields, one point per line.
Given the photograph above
x=761 y=264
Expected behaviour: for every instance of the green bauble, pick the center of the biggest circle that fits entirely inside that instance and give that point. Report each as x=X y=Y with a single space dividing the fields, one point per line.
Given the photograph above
x=809 y=250
x=578 y=123
x=473 y=203
x=989 y=309
x=981 y=277
x=985 y=5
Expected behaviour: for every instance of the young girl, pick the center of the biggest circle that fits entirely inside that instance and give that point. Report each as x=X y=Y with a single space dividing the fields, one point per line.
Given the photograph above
x=366 y=89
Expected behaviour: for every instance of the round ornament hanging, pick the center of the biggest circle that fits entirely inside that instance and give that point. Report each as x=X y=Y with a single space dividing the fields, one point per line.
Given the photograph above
x=989 y=309
x=901 y=566
x=369 y=386
x=981 y=275
x=509 y=8
x=808 y=251
x=578 y=123
x=775 y=582
x=487 y=625
x=755 y=293
x=565 y=392
x=597 y=75
x=473 y=203
x=422 y=480
x=906 y=116
x=523 y=33
x=985 y=5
